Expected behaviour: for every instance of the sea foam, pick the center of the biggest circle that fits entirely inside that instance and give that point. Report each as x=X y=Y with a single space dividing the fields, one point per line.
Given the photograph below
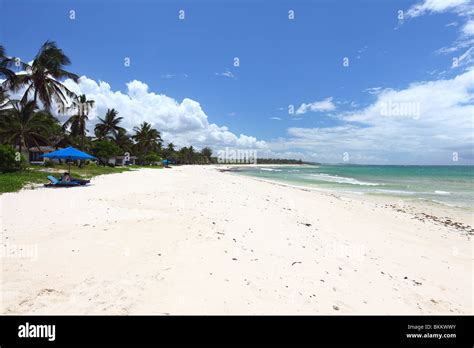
x=342 y=180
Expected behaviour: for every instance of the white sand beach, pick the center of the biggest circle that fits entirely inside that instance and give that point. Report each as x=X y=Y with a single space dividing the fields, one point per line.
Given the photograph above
x=193 y=240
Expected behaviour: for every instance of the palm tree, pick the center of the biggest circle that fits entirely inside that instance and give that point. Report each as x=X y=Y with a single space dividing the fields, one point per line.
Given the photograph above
x=43 y=75
x=108 y=125
x=3 y=99
x=146 y=138
x=123 y=140
x=5 y=64
x=5 y=71
x=99 y=134
x=58 y=137
x=191 y=155
x=187 y=155
x=24 y=126
x=77 y=122
x=170 y=148
x=169 y=151
x=206 y=153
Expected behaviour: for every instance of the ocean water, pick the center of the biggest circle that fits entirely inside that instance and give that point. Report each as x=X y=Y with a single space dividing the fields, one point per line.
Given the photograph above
x=446 y=185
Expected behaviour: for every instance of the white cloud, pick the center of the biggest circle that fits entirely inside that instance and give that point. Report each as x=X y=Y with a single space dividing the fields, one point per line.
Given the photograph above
x=436 y=6
x=182 y=123
x=354 y=104
x=438 y=121
x=463 y=8
x=226 y=73
x=275 y=118
x=468 y=28
x=373 y=90
x=170 y=76
x=466 y=59
x=323 y=105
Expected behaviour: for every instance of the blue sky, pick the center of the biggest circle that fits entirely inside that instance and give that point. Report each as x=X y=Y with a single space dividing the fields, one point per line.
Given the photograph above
x=282 y=62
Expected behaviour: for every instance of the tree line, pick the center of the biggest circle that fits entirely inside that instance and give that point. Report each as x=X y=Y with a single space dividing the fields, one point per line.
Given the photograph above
x=29 y=122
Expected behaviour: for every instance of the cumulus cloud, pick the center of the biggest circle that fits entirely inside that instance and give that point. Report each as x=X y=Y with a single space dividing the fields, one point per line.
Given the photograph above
x=424 y=123
x=183 y=123
x=323 y=105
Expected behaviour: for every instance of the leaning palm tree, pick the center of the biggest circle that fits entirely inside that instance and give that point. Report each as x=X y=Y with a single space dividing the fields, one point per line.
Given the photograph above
x=146 y=138
x=77 y=122
x=109 y=125
x=42 y=77
x=6 y=63
x=5 y=72
x=25 y=126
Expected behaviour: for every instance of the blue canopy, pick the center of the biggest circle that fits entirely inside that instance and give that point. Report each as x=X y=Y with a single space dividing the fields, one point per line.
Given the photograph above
x=167 y=161
x=69 y=153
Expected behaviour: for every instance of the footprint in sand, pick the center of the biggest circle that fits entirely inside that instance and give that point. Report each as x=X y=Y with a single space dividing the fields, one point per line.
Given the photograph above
x=32 y=303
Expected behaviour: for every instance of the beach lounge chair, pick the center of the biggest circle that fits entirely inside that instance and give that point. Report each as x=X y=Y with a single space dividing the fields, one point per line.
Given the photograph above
x=56 y=183
x=80 y=181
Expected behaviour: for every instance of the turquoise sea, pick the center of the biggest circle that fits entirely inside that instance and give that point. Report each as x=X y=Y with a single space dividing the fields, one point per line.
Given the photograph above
x=447 y=185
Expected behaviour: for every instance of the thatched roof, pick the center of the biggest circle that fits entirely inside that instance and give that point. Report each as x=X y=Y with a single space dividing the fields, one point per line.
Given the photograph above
x=42 y=149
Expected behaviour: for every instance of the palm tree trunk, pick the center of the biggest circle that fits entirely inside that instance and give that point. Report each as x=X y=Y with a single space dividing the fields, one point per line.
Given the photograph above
x=83 y=135
x=82 y=149
x=22 y=142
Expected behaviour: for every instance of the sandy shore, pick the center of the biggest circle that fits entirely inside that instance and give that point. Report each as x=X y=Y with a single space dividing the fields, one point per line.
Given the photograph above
x=193 y=240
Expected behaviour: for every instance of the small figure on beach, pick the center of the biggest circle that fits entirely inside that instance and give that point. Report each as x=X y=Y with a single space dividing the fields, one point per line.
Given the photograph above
x=66 y=177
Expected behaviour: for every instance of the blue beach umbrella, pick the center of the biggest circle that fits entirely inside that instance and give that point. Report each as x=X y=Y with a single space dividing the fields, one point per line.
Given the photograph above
x=69 y=153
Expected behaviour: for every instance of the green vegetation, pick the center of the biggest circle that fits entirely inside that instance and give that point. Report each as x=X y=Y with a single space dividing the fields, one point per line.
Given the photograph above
x=109 y=126
x=15 y=181
x=104 y=150
x=9 y=159
x=151 y=159
x=77 y=123
x=42 y=77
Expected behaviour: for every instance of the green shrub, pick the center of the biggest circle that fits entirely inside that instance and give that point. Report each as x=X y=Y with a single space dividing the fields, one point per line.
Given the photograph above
x=10 y=160
x=104 y=150
x=49 y=164
x=151 y=158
